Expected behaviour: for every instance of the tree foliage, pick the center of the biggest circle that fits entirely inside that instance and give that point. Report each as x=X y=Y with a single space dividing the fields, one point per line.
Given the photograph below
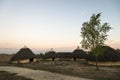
x=94 y=34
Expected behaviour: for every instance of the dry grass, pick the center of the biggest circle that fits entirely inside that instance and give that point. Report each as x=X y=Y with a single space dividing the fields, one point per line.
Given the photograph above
x=80 y=69
x=5 y=57
x=38 y=74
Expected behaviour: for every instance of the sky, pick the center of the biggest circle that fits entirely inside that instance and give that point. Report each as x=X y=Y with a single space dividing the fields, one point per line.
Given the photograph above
x=45 y=24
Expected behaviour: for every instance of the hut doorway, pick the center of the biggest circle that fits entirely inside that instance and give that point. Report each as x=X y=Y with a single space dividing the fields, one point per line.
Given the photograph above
x=31 y=59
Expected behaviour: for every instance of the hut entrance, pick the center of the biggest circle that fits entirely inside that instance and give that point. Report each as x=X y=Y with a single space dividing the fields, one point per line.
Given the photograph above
x=31 y=59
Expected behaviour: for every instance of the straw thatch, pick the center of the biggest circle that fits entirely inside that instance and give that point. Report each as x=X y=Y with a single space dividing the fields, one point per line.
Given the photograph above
x=23 y=55
x=50 y=54
x=118 y=50
x=109 y=54
x=79 y=53
x=63 y=55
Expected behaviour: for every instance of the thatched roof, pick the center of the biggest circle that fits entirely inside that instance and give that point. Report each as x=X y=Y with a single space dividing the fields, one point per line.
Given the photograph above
x=109 y=54
x=118 y=50
x=63 y=55
x=23 y=53
x=49 y=54
x=79 y=53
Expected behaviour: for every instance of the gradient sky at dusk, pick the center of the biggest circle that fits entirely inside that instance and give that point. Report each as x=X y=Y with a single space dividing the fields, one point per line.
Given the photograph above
x=45 y=24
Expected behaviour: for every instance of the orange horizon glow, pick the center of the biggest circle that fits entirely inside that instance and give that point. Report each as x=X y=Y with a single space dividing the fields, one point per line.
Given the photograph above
x=56 y=24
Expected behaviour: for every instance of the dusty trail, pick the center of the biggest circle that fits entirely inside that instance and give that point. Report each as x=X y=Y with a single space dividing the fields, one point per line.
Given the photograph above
x=38 y=74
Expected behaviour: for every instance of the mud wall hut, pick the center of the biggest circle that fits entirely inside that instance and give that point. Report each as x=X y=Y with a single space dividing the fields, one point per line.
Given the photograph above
x=24 y=55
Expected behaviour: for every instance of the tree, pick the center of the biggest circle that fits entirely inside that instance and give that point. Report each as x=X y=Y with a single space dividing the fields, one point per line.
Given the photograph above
x=94 y=35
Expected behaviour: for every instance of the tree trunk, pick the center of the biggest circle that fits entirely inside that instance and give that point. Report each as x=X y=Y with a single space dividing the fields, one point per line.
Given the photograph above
x=97 y=67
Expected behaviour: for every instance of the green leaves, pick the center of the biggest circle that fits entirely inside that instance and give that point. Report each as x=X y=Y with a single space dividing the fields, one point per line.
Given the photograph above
x=93 y=32
x=98 y=50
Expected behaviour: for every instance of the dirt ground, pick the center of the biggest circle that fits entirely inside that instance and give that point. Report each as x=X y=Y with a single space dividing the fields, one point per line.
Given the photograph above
x=73 y=68
x=11 y=76
x=38 y=74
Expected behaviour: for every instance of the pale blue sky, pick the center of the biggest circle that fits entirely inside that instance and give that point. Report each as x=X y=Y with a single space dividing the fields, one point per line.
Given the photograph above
x=43 y=24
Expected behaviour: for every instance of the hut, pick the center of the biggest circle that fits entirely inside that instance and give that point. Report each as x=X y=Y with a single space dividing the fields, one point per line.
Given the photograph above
x=109 y=57
x=79 y=54
x=118 y=50
x=50 y=55
x=63 y=55
x=109 y=54
x=24 y=55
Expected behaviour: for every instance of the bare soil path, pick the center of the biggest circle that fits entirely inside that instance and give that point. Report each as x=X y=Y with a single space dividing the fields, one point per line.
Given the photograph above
x=38 y=74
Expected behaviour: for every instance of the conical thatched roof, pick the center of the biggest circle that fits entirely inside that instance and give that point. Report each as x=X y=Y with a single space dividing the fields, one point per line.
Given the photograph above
x=63 y=55
x=23 y=53
x=50 y=54
x=118 y=50
x=79 y=53
x=109 y=54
